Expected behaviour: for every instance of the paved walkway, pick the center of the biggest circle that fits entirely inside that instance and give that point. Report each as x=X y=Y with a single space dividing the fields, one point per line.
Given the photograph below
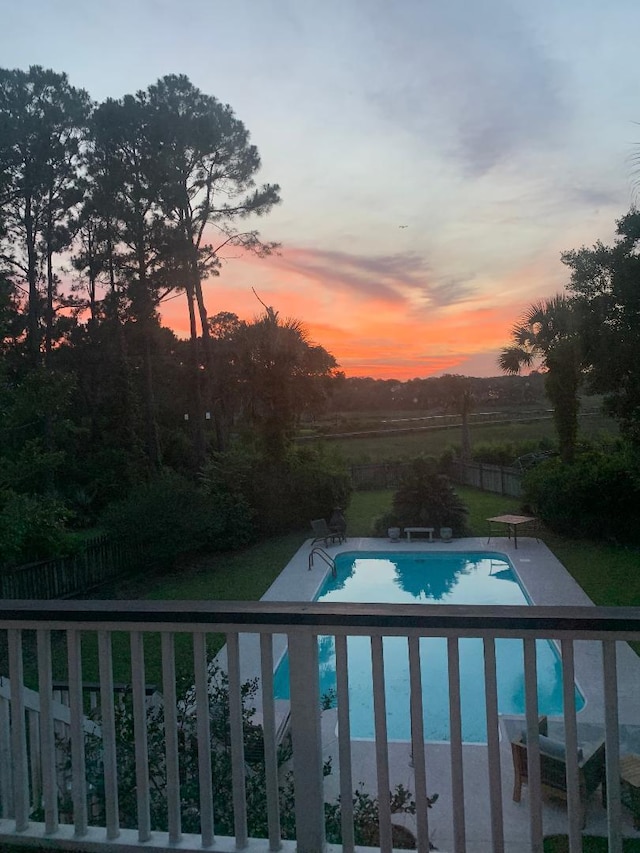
x=546 y=582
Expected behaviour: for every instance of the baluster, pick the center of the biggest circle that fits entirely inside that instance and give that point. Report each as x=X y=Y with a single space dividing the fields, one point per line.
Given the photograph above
x=47 y=734
x=344 y=744
x=204 y=737
x=533 y=744
x=78 y=769
x=417 y=744
x=108 y=724
x=140 y=733
x=455 y=735
x=170 y=708
x=6 y=765
x=612 y=744
x=307 y=742
x=237 y=742
x=571 y=744
x=18 y=732
x=493 y=744
x=382 y=752
x=35 y=757
x=270 y=746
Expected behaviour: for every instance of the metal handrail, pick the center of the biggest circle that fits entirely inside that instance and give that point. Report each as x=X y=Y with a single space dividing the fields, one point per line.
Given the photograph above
x=326 y=557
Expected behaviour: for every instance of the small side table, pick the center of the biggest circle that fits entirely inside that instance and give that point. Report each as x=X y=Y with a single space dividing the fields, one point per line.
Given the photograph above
x=630 y=785
x=428 y=530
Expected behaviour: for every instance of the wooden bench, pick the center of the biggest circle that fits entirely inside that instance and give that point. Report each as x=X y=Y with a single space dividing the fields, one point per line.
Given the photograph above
x=428 y=530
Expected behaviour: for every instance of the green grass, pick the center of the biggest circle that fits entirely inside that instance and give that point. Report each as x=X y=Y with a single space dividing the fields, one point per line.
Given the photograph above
x=434 y=442
x=243 y=575
x=607 y=573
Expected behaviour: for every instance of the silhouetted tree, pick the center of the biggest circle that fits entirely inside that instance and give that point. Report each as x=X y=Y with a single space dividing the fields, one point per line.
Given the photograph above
x=42 y=124
x=605 y=283
x=548 y=335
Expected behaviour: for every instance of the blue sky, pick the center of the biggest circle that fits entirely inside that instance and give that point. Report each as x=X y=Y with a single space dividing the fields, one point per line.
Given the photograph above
x=435 y=158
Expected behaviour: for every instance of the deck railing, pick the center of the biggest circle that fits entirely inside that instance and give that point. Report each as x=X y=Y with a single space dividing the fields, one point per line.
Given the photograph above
x=30 y=795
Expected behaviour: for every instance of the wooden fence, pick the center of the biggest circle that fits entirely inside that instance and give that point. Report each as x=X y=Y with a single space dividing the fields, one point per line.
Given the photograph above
x=377 y=475
x=490 y=478
x=101 y=560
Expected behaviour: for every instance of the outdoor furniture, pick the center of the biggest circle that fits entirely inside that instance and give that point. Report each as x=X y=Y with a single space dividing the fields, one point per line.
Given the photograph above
x=428 y=530
x=630 y=785
x=322 y=532
x=338 y=523
x=512 y=522
x=553 y=768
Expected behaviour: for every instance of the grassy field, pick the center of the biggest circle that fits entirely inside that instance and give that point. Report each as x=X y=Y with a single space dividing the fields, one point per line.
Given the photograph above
x=434 y=442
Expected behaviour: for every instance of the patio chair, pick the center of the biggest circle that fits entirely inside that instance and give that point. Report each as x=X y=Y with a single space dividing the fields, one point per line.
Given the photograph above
x=323 y=533
x=553 y=768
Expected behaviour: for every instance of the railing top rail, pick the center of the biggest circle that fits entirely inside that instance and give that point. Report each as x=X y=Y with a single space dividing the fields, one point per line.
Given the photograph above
x=341 y=617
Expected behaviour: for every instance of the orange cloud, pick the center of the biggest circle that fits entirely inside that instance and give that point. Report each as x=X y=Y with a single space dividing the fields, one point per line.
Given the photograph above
x=384 y=317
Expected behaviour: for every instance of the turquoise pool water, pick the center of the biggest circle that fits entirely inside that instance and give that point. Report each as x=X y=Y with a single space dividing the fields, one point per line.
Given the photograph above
x=434 y=577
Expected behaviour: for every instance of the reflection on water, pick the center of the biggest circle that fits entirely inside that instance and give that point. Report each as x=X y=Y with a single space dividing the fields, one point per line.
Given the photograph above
x=443 y=578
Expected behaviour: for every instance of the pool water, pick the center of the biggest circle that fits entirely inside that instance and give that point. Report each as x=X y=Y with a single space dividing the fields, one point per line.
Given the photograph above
x=431 y=578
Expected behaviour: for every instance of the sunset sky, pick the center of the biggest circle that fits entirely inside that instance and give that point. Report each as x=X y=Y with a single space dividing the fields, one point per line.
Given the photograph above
x=435 y=157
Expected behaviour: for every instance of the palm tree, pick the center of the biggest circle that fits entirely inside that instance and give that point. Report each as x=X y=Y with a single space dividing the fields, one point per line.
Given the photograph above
x=547 y=336
x=281 y=372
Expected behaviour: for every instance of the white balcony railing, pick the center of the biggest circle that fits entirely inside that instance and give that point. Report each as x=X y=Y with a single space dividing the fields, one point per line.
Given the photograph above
x=38 y=774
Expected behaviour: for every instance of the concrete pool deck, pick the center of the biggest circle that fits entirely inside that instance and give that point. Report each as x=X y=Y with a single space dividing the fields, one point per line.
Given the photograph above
x=546 y=582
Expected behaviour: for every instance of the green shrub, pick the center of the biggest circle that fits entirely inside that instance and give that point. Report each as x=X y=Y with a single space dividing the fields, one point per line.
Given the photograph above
x=284 y=494
x=506 y=452
x=598 y=493
x=32 y=527
x=170 y=516
x=425 y=498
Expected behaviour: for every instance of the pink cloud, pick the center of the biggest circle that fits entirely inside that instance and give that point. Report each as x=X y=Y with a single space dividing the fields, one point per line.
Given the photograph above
x=381 y=328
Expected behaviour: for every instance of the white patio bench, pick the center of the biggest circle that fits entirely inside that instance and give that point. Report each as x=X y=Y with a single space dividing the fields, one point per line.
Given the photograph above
x=410 y=530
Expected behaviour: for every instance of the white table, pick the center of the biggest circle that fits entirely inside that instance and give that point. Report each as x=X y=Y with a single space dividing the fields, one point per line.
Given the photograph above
x=410 y=530
x=511 y=522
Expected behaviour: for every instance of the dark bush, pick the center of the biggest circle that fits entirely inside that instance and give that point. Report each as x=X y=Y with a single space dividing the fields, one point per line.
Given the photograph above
x=32 y=527
x=596 y=495
x=284 y=494
x=170 y=516
x=425 y=498
x=506 y=452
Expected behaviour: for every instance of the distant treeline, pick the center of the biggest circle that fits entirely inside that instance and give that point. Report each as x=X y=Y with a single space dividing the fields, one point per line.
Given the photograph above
x=436 y=393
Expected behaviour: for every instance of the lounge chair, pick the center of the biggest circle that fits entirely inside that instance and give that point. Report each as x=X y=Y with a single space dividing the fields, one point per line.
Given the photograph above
x=323 y=533
x=553 y=768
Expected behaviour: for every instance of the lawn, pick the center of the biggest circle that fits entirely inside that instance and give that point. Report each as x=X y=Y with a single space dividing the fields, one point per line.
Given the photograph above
x=607 y=573
x=433 y=442
x=243 y=575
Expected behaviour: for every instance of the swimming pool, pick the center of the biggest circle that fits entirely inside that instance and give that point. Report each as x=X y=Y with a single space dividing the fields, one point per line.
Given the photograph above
x=435 y=577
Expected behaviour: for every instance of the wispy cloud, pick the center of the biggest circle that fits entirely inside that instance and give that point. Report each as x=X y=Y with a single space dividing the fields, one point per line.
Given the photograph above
x=378 y=276
x=401 y=277
x=473 y=78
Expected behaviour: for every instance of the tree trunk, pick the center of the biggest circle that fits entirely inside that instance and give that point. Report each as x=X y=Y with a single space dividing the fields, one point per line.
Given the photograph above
x=33 y=317
x=144 y=311
x=197 y=415
x=213 y=405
